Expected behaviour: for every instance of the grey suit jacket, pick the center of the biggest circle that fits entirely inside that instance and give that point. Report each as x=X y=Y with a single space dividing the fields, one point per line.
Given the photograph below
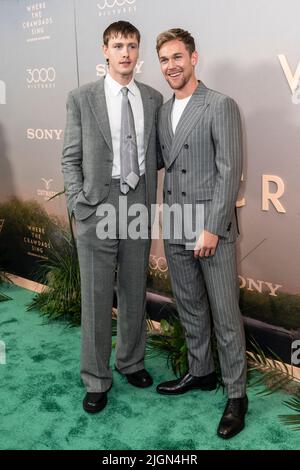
x=203 y=160
x=88 y=153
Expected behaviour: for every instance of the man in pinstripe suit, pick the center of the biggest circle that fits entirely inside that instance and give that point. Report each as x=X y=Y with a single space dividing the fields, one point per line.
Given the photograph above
x=200 y=138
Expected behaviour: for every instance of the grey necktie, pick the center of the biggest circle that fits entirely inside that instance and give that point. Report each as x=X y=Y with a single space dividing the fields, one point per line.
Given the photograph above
x=130 y=173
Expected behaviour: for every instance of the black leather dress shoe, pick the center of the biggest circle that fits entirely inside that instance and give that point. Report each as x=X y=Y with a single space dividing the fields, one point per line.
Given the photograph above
x=188 y=382
x=233 y=419
x=140 y=378
x=94 y=402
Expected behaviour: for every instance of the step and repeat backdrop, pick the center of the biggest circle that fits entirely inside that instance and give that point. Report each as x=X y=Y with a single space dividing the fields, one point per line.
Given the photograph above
x=248 y=50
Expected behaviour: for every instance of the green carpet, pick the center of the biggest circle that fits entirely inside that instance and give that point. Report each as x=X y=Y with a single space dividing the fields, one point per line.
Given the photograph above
x=41 y=394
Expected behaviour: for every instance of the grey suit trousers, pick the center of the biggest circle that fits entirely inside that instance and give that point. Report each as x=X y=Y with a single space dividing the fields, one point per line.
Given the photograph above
x=201 y=285
x=100 y=262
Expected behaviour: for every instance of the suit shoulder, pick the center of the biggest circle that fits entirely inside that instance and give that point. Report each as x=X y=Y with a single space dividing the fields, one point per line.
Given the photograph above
x=152 y=91
x=217 y=99
x=165 y=107
x=81 y=90
x=168 y=103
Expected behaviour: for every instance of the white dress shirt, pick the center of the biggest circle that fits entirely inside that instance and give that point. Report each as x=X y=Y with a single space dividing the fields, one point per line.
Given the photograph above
x=113 y=97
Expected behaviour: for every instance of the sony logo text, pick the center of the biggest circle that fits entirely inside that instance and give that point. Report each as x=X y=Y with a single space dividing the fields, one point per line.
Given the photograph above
x=101 y=68
x=44 y=134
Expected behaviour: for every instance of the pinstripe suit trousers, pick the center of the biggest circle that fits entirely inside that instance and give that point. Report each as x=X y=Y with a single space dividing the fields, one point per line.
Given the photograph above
x=201 y=286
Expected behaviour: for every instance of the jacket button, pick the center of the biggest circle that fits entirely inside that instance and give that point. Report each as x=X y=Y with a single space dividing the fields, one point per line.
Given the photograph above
x=163 y=147
x=169 y=170
x=183 y=171
x=106 y=184
x=186 y=146
x=229 y=227
x=183 y=193
x=169 y=192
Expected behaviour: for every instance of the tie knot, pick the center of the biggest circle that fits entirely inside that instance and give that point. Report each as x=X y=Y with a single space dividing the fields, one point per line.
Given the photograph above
x=124 y=91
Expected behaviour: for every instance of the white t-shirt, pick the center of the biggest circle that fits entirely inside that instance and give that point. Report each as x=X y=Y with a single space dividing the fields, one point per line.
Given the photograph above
x=178 y=108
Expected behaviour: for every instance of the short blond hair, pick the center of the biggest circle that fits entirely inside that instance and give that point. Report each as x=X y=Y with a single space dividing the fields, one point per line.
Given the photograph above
x=176 y=33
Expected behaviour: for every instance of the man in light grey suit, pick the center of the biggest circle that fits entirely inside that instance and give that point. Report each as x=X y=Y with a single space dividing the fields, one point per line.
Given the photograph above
x=200 y=138
x=110 y=154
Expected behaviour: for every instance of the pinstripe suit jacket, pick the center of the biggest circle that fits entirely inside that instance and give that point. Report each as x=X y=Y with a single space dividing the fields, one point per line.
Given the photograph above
x=203 y=160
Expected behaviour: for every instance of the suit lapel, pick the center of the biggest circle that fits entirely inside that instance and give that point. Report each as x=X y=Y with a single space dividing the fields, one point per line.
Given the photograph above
x=96 y=97
x=190 y=116
x=148 y=105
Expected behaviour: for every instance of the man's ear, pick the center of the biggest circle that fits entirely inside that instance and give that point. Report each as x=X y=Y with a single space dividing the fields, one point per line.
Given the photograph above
x=194 y=58
x=104 y=50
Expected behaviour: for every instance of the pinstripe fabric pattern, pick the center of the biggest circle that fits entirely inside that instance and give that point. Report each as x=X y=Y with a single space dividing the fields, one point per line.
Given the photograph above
x=203 y=164
x=201 y=285
x=203 y=160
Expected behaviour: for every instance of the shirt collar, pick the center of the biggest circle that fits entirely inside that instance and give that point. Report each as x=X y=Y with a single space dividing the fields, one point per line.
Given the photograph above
x=115 y=87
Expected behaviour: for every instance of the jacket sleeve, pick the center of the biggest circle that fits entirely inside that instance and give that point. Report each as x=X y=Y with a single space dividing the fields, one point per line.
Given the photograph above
x=72 y=153
x=227 y=138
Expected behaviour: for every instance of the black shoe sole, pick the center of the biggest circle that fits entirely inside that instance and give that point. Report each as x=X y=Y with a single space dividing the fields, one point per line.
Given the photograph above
x=205 y=388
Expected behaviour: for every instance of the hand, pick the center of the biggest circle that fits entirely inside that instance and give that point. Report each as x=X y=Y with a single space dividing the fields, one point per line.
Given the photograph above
x=206 y=245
